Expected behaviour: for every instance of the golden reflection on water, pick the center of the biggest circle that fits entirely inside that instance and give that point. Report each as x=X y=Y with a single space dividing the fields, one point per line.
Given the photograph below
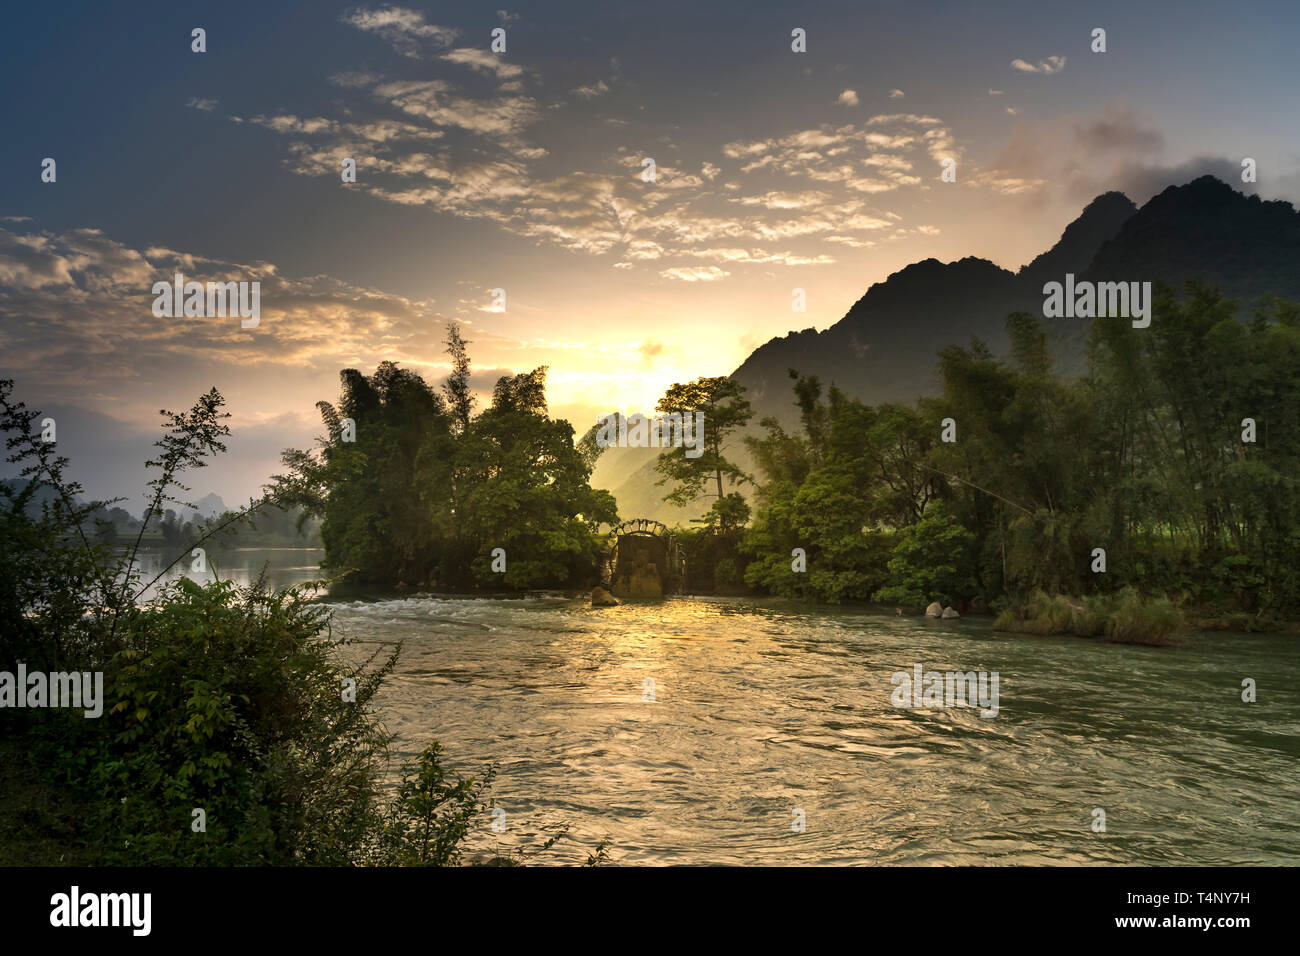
x=760 y=710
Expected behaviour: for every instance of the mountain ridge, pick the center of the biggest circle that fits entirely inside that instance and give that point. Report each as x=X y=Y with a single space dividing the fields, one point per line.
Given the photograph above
x=885 y=346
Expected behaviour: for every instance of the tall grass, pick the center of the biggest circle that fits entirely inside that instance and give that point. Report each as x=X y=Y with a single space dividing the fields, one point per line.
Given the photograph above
x=1123 y=618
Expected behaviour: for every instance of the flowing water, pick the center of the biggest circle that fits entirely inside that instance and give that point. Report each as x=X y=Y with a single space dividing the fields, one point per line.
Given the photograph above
x=763 y=708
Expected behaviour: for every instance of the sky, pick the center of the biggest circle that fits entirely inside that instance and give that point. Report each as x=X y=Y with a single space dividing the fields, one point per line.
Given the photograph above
x=525 y=171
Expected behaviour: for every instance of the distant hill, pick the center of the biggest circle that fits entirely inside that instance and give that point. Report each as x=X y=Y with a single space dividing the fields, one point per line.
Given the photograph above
x=885 y=348
x=206 y=507
x=629 y=474
x=1245 y=245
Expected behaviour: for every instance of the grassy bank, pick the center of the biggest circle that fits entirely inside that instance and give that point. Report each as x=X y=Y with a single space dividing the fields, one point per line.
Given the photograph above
x=1123 y=618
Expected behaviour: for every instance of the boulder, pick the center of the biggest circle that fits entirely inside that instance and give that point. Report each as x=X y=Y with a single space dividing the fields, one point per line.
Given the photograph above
x=934 y=610
x=602 y=598
x=949 y=613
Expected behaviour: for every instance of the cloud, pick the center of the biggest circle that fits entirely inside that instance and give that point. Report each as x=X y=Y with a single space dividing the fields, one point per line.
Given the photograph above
x=1140 y=181
x=405 y=30
x=78 y=306
x=695 y=273
x=896 y=94
x=484 y=61
x=207 y=106
x=1053 y=64
x=1119 y=129
x=785 y=200
x=847 y=98
x=439 y=103
x=1078 y=158
x=993 y=92
x=431 y=143
x=760 y=256
x=827 y=154
x=592 y=90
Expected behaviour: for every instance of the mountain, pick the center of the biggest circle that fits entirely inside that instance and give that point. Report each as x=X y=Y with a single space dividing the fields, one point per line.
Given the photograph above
x=205 y=507
x=1101 y=220
x=1245 y=245
x=885 y=348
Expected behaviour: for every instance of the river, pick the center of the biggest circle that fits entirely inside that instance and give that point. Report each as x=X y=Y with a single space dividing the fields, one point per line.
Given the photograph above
x=764 y=708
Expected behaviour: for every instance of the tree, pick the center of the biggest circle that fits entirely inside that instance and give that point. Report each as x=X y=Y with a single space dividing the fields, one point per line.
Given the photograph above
x=724 y=409
x=929 y=563
x=427 y=492
x=457 y=388
x=523 y=487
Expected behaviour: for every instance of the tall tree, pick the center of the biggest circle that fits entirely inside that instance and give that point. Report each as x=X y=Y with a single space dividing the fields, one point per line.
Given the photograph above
x=721 y=403
x=457 y=389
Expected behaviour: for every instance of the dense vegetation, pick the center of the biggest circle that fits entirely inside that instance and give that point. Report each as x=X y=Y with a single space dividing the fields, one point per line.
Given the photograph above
x=1175 y=453
x=412 y=488
x=1146 y=456
x=231 y=733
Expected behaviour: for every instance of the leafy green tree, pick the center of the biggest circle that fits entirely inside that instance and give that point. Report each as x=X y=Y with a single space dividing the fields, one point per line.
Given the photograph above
x=725 y=410
x=523 y=487
x=412 y=488
x=929 y=563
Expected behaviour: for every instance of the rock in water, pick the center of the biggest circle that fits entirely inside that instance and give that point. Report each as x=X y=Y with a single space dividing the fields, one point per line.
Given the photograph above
x=949 y=613
x=934 y=610
x=602 y=598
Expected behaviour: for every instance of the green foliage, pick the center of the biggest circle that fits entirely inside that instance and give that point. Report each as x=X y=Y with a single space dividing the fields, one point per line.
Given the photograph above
x=1046 y=614
x=928 y=562
x=427 y=490
x=217 y=698
x=1142 y=456
x=1123 y=618
x=1131 y=620
x=432 y=813
x=722 y=403
x=231 y=700
x=226 y=700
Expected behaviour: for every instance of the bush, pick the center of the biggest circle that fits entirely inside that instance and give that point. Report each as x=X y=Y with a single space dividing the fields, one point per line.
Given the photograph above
x=226 y=700
x=230 y=701
x=431 y=815
x=1131 y=620
x=929 y=563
